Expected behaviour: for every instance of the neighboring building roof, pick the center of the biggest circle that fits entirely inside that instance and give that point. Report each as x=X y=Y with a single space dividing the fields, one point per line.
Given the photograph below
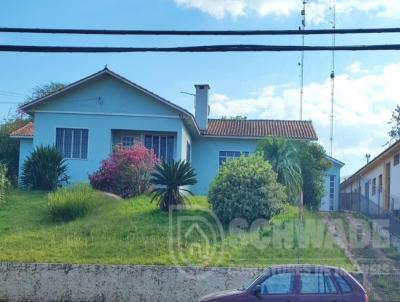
x=261 y=128
x=335 y=161
x=387 y=152
x=25 y=131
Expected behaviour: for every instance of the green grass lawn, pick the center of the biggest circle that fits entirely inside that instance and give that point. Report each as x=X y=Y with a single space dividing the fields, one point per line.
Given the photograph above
x=134 y=231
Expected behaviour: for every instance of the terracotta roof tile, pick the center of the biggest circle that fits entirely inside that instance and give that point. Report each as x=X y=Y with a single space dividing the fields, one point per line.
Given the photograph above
x=26 y=130
x=237 y=128
x=261 y=128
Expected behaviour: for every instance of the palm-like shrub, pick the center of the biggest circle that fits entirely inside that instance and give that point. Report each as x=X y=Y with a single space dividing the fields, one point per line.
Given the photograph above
x=169 y=179
x=44 y=169
x=284 y=158
x=246 y=188
x=126 y=172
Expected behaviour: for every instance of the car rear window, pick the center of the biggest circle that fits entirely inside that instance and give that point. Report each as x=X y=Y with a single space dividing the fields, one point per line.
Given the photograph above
x=344 y=286
x=316 y=283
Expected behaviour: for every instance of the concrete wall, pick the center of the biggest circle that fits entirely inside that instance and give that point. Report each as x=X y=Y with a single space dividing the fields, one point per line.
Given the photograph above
x=59 y=282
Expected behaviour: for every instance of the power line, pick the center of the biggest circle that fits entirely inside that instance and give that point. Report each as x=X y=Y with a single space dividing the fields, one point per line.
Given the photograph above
x=302 y=28
x=198 y=32
x=204 y=48
x=332 y=80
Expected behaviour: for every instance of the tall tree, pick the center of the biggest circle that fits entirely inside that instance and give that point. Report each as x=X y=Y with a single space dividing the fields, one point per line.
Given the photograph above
x=44 y=89
x=313 y=163
x=9 y=147
x=282 y=154
x=234 y=117
x=394 y=133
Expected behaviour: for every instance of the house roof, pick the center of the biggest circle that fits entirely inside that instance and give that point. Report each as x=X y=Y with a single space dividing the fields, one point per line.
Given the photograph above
x=395 y=147
x=25 y=131
x=235 y=128
x=261 y=128
x=335 y=161
x=216 y=127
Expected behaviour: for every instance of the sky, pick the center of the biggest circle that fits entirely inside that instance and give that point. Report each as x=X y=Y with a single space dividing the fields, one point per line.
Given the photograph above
x=258 y=85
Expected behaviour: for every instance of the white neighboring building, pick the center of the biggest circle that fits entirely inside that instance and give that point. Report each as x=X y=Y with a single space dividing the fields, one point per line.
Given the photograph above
x=379 y=180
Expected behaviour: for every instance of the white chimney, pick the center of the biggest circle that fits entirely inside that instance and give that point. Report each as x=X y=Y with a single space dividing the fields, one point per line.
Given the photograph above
x=201 y=107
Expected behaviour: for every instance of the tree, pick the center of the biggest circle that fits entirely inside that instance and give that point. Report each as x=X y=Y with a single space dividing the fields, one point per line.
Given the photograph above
x=283 y=156
x=246 y=187
x=168 y=179
x=9 y=147
x=45 y=89
x=394 y=133
x=313 y=163
x=234 y=117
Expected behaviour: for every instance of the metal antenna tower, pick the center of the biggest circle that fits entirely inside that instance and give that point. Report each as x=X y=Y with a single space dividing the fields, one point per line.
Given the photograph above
x=302 y=28
x=333 y=8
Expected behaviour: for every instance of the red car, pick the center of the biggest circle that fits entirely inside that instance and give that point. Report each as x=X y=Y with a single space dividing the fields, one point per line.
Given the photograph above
x=297 y=283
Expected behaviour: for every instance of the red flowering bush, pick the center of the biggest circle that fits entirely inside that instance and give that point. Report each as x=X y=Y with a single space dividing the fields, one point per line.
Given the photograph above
x=126 y=172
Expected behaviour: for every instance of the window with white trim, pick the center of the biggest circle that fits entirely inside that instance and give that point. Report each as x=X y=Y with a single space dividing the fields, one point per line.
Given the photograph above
x=225 y=155
x=72 y=143
x=127 y=141
x=162 y=145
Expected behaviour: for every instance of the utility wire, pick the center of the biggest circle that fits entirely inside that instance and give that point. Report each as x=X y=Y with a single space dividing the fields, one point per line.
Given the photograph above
x=198 y=32
x=205 y=48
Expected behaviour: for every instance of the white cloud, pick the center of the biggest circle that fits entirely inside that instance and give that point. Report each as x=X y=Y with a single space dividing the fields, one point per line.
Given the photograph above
x=363 y=106
x=317 y=11
x=356 y=67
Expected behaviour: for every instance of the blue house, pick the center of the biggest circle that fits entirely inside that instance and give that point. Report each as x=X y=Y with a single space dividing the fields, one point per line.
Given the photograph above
x=86 y=118
x=330 y=201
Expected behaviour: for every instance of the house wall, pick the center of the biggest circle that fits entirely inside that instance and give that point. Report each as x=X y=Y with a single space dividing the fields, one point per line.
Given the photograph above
x=25 y=148
x=325 y=202
x=186 y=138
x=120 y=107
x=205 y=154
x=369 y=175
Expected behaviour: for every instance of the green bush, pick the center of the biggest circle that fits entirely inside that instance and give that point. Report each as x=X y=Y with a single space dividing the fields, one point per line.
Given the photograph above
x=44 y=169
x=3 y=182
x=66 y=204
x=246 y=188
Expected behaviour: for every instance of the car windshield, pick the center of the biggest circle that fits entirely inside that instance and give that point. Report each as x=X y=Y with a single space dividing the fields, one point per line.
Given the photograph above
x=248 y=284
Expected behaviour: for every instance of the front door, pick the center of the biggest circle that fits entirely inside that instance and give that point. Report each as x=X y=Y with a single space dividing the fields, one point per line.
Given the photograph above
x=318 y=287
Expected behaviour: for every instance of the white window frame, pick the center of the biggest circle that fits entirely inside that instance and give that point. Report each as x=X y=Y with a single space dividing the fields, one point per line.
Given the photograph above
x=72 y=143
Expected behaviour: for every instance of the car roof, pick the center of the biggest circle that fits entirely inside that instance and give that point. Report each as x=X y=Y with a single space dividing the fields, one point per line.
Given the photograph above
x=307 y=267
